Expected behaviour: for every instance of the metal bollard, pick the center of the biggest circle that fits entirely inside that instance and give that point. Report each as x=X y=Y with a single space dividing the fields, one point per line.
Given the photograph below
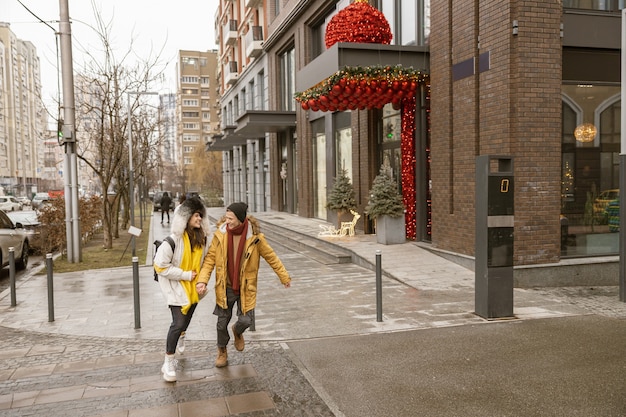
x=379 y=287
x=136 y=292
x=50 y=288
x=12 y=275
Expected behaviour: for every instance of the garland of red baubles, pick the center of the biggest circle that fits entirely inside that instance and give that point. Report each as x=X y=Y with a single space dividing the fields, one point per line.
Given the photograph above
x=362 y=88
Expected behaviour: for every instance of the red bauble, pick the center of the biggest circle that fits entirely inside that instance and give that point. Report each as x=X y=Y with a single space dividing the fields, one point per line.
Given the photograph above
x=358 y=23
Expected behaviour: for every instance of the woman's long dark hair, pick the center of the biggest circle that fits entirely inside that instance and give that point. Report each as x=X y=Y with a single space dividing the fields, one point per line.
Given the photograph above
x=197 y=239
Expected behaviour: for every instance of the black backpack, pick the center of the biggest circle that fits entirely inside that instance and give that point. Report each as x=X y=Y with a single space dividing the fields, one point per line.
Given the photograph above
x=157 y=243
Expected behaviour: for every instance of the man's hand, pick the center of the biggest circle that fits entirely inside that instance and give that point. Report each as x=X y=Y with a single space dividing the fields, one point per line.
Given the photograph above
x=287 y=284
x=201 y=288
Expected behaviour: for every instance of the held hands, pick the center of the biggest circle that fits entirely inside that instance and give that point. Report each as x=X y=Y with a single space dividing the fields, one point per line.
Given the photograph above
x=201 y=288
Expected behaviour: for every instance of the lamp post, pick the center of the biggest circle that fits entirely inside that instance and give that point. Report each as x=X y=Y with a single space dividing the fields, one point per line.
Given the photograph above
x=131 y=173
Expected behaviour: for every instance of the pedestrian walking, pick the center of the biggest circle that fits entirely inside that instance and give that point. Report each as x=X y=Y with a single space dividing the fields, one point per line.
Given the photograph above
x=235 y=251
x=177 y=266
x=166 y=202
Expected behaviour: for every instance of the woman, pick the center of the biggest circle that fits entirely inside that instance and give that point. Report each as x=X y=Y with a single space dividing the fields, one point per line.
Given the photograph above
x=177 y=268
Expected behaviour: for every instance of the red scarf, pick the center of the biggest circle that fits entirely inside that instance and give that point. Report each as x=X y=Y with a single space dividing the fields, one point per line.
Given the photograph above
x=234 y=260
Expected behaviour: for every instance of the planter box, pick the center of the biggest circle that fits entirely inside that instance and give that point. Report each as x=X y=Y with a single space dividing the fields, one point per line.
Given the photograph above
x=390 y=230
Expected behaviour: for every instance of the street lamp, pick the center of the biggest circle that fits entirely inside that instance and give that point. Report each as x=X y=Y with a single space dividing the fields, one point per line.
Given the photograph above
x=131 y=172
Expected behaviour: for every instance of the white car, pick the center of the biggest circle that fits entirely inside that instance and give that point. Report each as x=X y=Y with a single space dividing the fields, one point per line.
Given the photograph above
x=13 y=235
x=9 y=203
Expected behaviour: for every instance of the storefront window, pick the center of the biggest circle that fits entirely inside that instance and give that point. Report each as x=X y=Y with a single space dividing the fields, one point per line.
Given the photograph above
x=604 y=5
x=319 y=178
x=590 y=149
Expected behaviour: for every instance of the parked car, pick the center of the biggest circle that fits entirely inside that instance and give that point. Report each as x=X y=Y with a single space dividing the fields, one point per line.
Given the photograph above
x=13 y=235
x=33 y=227
x=157 y=200
x=38 y=199
x=24 y=200
x=9 y=203
x=604 y=199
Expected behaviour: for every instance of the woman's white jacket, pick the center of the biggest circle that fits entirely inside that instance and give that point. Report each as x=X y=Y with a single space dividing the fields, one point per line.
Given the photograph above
x=168 y=263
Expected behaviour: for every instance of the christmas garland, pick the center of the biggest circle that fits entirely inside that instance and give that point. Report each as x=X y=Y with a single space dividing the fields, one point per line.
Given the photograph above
x=362 y=88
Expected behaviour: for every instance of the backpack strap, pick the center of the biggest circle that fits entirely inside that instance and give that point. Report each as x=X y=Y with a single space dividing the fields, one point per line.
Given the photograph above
x=171 y=242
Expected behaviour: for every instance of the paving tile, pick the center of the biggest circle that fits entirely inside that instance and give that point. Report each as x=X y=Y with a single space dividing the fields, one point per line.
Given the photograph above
x=77 y=366
x=170 y=410
x=213 y=407
x=24 y=399
x=33 y=371
x=247 y=403
x=56 y=395
x=45 y=349
x=13 y=353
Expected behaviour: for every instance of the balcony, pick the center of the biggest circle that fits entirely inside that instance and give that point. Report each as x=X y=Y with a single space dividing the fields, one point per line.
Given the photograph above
x=231 y=73
x=254 y=41
x=229 y=32
x=254 y=3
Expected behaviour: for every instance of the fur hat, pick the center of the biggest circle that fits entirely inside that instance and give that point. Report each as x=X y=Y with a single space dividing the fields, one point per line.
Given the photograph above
x=239 y=209
x=183 y=213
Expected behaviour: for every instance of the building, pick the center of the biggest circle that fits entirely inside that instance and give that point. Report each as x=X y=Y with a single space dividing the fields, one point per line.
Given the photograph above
x=538 y=82
x=22 y=115
x=197 y=114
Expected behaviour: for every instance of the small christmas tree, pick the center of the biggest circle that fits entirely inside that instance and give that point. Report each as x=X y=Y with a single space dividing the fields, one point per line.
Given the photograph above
x=385 y=200
x=341 y=196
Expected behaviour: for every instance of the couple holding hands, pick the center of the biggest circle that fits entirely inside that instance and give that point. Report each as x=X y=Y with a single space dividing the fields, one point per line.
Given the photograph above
x=234 y=251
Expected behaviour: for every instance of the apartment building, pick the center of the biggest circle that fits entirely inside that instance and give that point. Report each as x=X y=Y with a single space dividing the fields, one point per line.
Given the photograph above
x=538 y=82
x=197 y=113
x=22 y=115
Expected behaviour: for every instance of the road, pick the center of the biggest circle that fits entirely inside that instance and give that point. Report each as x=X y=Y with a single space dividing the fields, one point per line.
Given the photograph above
x=34 y=263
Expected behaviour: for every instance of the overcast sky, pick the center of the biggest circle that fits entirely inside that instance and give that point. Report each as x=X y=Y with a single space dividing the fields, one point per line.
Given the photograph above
x=154 y=24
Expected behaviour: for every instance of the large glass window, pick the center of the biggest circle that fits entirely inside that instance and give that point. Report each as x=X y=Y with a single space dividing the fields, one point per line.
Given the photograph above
x=319 y=177
x=287 y=80
x=605 y=5
x=409 y=20
x=343 y=142
x=590 y=149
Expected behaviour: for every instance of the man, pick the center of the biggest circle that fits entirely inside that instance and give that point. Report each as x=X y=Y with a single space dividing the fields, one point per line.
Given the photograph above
x=166 y=202
x=234 y=254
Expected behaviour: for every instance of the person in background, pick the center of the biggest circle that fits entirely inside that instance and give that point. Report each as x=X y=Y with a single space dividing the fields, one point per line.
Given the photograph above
x=178 y=269
x=166 y=202
x=234 y=253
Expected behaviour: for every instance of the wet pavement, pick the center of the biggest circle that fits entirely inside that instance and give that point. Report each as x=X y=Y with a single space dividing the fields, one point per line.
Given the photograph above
x=318 y=349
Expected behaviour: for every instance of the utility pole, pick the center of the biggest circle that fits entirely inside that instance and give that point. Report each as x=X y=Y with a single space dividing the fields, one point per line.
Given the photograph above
x=70 y=166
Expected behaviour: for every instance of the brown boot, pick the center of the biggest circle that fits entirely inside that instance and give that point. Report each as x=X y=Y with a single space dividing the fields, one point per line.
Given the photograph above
x=239 y=342
x=222 y=357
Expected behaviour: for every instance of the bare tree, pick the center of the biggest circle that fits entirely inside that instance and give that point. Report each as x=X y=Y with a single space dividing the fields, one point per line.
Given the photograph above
x=103 y=88
x=206 y=176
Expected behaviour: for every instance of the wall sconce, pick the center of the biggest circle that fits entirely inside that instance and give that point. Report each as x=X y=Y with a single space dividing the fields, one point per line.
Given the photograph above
x=585 y=132
x=515 y=27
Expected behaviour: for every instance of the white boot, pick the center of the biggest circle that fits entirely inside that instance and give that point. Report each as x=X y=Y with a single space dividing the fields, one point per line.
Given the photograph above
x=169 y=368
x=181 y=343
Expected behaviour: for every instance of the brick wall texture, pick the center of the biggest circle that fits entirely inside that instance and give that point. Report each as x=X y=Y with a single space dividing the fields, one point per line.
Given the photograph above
x=513 y=108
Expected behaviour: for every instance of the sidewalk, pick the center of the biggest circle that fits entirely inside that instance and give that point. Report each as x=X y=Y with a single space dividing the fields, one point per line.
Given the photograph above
x=317 y=349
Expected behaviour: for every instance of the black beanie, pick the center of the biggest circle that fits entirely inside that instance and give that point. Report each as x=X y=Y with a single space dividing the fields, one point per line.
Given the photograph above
x=239 y=209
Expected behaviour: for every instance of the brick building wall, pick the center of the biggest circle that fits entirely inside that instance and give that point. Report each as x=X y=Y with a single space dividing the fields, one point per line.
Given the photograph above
x=509 y=105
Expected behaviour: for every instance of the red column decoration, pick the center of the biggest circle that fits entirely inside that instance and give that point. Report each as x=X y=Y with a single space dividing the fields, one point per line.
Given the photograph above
x=407 y=150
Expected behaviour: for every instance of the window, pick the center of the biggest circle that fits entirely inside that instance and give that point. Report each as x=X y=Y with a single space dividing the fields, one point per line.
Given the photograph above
x=589 y=169
x=191 y=103
x=189 y=80
x=189 y=137
x=190 y=125
x=402 y=16
x=193 y=91
x=605 y=5
x=287 y=80
x=190 y=114
x=343 y=142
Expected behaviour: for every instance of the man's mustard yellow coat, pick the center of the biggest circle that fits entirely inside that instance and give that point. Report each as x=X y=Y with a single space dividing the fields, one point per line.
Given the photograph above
x=255 y=247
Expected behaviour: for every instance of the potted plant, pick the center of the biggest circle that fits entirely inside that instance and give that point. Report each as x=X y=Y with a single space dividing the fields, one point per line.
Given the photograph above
x=386 y=207
x=341 y=198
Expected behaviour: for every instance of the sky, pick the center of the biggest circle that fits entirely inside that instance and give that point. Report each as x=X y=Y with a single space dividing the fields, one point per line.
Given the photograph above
x=154 y=25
